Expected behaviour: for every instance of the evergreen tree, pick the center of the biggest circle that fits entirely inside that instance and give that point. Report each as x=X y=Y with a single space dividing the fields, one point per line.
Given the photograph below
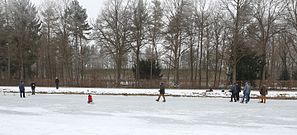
x=138 y=29
x=294 y=76
x=284 y=74
x=145 y=69
x=76 y=19
x=155 y=26
x=49 y=27
x=249 y=67
x=25 y=35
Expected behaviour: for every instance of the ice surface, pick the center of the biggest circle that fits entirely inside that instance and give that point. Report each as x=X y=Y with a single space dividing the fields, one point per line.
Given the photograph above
x=142 y=115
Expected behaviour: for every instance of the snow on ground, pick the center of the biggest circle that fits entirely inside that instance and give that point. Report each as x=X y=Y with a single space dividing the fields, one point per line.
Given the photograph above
x=169 y=92
x=53 y=114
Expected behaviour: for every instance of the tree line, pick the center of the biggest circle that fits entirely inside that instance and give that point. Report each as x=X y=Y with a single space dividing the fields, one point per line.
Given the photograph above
x=204 y=42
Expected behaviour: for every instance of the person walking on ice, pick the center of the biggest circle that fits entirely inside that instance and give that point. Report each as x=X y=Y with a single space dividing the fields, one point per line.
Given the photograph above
x=162 y=92
x=22 y=89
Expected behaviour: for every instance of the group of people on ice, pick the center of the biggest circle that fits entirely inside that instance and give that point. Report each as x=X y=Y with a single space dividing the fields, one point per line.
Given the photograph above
x=22 y=89
x=33 y=86
x=236 y=89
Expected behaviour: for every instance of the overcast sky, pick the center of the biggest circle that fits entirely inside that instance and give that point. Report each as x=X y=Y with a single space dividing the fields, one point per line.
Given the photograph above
x=93 y=6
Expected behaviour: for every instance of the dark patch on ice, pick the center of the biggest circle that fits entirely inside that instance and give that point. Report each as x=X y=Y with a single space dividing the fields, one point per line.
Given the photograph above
x=163 y=120
x=16 y=112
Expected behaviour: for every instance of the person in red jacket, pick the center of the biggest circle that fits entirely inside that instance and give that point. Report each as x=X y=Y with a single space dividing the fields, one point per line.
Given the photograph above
x=90 y=99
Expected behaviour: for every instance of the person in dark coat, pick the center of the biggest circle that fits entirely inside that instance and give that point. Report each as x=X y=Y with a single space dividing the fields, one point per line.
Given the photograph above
x=233 y=92
x=246 y=93
x=33 y=85
x=263 y=93
x=162 y=92
x=22 y=89
x=57 y=83
x=238 y=90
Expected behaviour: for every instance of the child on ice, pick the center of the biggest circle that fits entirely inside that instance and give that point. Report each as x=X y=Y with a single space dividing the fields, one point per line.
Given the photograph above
x=90 y=99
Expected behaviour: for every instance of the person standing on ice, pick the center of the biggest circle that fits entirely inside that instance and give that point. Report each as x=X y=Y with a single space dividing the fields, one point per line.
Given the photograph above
x=57 y=83
x=233 y=92
x=263 y=93
x=33 y=86
x=162 y=92
x=246 y=93
x=22 y=89
x=238 y=90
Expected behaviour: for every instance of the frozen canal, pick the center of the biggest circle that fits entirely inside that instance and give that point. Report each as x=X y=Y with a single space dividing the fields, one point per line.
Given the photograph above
x=142 y=115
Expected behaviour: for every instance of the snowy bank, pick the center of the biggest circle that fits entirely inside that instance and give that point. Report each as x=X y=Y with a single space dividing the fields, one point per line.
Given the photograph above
x=146 y=92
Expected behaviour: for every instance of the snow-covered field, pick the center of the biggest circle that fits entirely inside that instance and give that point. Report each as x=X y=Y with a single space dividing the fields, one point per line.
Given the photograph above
x=142 y=115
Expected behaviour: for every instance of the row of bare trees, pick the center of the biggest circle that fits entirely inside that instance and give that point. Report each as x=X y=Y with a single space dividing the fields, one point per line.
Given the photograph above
x=206 y=38
x=204 y=42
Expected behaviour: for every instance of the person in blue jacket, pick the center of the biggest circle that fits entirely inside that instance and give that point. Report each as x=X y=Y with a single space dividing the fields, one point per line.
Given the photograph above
x=246 y=93
x=22 y=89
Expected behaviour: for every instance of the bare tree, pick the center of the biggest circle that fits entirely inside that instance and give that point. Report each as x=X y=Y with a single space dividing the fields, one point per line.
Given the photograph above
x=202 y=17
x=267 y=13
x=191 y=38
x=3 y=40
x=112 y=30
x=139 y=31
x=176 y=14
x=65 y=70
x=155 y=30
x=291 y=19
x=50 y=21
x=76 y=18
x=283 y=41
x=218 y=34
x=239 y=13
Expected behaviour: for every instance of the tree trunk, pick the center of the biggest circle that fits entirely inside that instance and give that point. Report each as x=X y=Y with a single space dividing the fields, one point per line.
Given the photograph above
x=272 y=63
x=82 y=60
x=49 y=64
x=191 y=61
x=137 y=77
x=234 y=70
x=222 y=57
x=201 y=53
x=216 y=57
x=8 y=46
x=118 y=69
x=207 y=59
